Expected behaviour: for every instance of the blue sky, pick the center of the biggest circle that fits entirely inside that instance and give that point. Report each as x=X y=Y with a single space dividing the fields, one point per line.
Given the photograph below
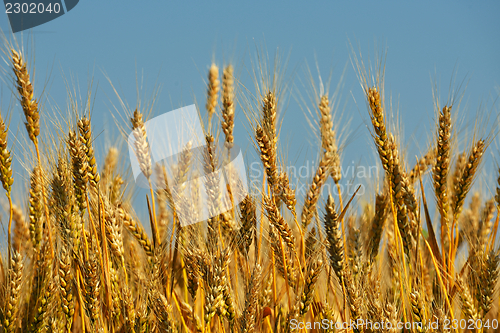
x=172 y=44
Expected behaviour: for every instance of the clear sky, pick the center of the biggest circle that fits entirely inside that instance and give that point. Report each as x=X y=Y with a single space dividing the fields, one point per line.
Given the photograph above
x=171 y=44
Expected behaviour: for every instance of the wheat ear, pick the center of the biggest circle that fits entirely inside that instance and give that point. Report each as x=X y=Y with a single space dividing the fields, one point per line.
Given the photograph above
x=328 y=140
x=378 y=122
x=66 y=288
x=248 y=224
x=247 y=320
x=25 y=90
x=422 y=166
x=32 y=115
x=212 y=92
x=314 y=192
x=488 y=282
x=497 y=196
x=441 y=169
x=6 y=177
x=310 y=282
x=12 y=304
x=36 y=208
x=228 y=105
x=136 y=230
x=267 y=155
x=92 y=289
x=142 y=152
x=86 y=139
x=467 y=176
x=468 y=306
x=335 y=244
x=279 y=222
x=377 y=225
x=22 y=239
x=417 y=310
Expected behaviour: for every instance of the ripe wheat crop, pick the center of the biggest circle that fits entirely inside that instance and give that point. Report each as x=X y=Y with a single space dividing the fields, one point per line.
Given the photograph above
x=79 y=259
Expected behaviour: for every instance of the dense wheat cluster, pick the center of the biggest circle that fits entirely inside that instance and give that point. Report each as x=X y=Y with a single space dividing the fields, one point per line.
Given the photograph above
x=80 y=260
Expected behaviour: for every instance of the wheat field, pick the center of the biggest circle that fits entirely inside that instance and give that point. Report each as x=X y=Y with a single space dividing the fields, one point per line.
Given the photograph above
x=79 y=259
